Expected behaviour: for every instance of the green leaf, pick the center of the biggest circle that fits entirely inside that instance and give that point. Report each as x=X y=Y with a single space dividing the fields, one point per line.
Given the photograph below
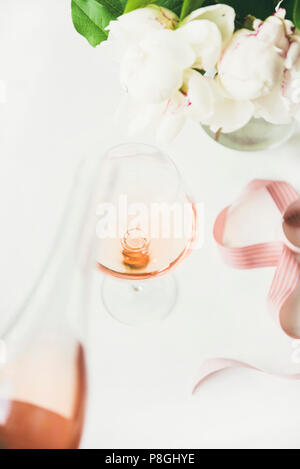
x=134 y=4
x=259 y=8
x=90 y=19
x=297 y=14
x=115 y=7
x=289 y=6
x=189 y=6
x=173 y=5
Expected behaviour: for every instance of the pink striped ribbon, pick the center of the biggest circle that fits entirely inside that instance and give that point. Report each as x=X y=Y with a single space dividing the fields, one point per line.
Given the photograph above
x=272 y=254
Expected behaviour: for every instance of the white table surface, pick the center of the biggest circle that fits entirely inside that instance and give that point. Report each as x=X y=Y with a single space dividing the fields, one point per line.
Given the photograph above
x=60 y=100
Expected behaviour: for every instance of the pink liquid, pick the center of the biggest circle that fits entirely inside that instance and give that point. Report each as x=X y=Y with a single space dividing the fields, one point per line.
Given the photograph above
x=31 y=427
x=162 y=256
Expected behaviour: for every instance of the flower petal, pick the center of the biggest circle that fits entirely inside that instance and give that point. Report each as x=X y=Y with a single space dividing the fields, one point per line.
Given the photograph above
x=293 y=56
x=135 y=118
x=273 y=107
x=222 y=15
x=163 y=121
x=139 y=22
x=206 y=41
x=229 y=114
x=132 y=27
x=172 y=118
x=170 y=45
x=150 y=79
x=200 y=95
x=170 y=126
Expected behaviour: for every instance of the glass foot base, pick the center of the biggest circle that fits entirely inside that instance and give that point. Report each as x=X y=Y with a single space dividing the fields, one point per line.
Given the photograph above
x=137 y=302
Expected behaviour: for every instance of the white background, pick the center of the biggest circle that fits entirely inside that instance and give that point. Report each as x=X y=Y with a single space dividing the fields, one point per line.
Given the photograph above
x=61 y=97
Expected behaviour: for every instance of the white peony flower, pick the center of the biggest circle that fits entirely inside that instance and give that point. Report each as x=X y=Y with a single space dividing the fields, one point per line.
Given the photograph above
x=283 y=102
x=155 y=57
x=152 y=70
x=249 y=73
x=222 y=16
x=253 y=64
x=130 y=28
x=250 y=68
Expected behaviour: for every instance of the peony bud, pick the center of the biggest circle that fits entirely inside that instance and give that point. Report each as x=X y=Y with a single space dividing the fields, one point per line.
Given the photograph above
x=250 y=67
x=253 y=64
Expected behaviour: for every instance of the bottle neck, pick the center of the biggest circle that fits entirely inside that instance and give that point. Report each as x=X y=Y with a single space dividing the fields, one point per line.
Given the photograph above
x=48 y=302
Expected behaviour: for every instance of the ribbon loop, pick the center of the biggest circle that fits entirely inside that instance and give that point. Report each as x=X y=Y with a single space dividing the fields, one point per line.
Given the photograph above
x=269 y=254
x=279 y=254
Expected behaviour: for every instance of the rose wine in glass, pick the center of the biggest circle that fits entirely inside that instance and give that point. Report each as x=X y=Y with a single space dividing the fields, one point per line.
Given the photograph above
x=146 y=225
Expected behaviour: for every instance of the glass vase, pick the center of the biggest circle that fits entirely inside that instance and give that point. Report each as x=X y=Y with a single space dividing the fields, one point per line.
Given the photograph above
x=257 y=135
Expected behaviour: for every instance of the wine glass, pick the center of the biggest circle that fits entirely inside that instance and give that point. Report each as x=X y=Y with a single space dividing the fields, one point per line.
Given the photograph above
x=145 y=226
x=43 y=372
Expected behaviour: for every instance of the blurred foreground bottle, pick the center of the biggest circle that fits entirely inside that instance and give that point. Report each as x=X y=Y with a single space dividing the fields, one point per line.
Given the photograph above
x=43 y=377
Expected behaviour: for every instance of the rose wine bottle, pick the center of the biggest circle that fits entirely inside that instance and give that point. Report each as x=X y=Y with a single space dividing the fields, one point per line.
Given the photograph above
x=30 y=426
x=43 y=375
